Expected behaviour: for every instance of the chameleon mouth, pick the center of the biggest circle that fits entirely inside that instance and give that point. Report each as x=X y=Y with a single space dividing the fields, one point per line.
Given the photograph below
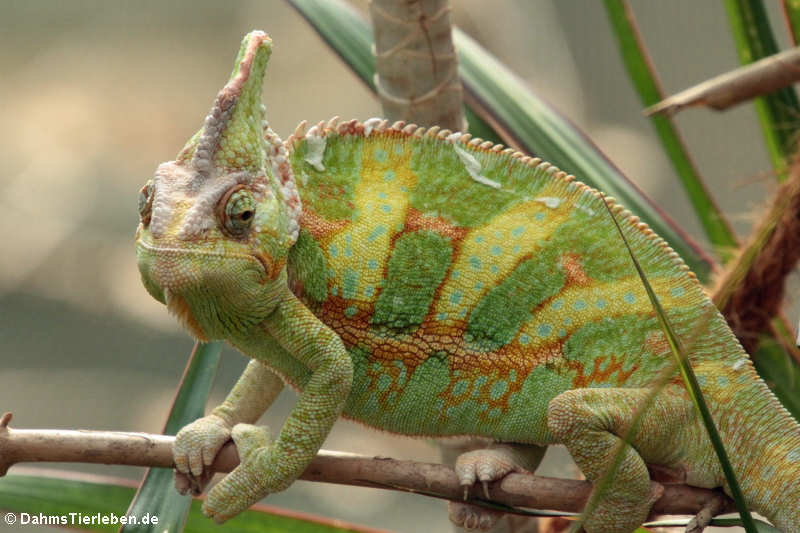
x=177 y=306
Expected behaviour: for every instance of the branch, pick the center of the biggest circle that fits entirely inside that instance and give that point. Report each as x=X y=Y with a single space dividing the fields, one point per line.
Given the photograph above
x=143 y=449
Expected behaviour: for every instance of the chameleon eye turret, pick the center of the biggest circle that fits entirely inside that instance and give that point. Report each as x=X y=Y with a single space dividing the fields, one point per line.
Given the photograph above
x=236 y=211
x=219 y=220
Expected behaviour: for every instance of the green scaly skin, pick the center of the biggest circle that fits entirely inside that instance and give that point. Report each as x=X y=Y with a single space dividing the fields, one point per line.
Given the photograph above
x=435 y=287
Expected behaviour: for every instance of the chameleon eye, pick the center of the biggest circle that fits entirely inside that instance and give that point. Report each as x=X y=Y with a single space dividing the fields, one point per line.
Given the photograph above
x=146 y=202
x=237 y=208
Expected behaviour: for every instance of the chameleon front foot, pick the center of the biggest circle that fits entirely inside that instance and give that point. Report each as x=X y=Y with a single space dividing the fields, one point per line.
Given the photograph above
x=248 y=482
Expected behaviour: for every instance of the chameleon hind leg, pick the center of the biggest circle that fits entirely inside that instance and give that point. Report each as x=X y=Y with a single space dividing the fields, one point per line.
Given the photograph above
x=485 y=465
x=592 y=422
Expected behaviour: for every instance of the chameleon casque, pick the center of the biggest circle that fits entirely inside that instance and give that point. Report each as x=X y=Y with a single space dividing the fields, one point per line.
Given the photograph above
x=431 y=285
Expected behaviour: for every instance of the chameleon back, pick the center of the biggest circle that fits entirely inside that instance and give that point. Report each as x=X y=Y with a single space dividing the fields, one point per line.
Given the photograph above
x=471 y=285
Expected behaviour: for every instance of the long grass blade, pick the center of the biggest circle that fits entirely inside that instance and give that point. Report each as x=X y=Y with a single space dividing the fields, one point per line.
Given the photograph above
x=157 y=493
x=692 y=385
x=778 y=112
x=791 y=13
x=517 y=116
x=645 y=81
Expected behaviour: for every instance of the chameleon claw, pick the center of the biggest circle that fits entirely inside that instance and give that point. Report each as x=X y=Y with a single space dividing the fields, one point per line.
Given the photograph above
x=466 y=492
x=486 y=489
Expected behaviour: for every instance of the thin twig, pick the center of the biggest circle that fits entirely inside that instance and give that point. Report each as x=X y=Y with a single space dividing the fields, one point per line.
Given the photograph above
x=737 y=86
x=142 y=449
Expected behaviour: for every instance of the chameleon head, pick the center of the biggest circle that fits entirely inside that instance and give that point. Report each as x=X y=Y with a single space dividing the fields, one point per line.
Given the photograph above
x=216 y=224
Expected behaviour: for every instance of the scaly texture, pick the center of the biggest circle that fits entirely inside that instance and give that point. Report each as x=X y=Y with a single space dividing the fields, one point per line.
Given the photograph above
x=436 y=285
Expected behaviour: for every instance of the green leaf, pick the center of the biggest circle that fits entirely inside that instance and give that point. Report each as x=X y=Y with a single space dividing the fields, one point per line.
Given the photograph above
x=778 y=111
x=515 y=113
x=646 y=83
x=58 y=497
x=157 y=494
x=693 y=387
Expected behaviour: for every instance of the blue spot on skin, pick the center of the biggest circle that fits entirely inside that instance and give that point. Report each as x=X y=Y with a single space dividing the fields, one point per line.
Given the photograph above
x=349 y=284
x=512 y=376
x=701 y=380
x=380 y=155
x=498 y=234
x=516 y=249
x=676 y=292
x=384 y=382
x=629 y=298
x=494 y=269
x=386 y=208
x=524 y=339
x=462 y=313
x=478 y=286
x=475 y=262
x=333 y=251
x=539 y=217
x=579 y=305
x=544 y=330
x=557 y=304
x=479 y=239
x=495 y=412
x=601 y=304
x=382 y=195
x=562 y=333
x=376 y=232
x=498 y=390
x=768 y=472
x=335 y=290
x=348 y=252
x=389 y=175
x=567 y=320
x=461 y=387
x=350 y=311
x=369 y=291
x=441 y=316
x=794 y=455
x=455 y=274
x=519 y=230
x=455 y=297
x=372 y=264
x=449 y=412
x=480 y=382
x=495 y=250
x=723 y=381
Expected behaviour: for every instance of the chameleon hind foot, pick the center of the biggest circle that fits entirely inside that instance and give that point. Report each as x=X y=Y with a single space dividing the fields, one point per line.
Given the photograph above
x=484 y=466
x=590 y=422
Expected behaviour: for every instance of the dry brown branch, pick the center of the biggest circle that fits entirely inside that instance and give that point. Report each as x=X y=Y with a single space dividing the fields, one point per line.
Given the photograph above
x=416 y=64
x=750 y=291
x=142 y=449
x=744 y=83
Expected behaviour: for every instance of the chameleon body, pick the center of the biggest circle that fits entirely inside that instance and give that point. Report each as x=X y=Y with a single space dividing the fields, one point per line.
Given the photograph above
x=430 y=285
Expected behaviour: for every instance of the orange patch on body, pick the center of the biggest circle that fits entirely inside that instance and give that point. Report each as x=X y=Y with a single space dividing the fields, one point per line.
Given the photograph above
x=321 y=228
x=599 y=375
x=416 y=220
x=575 y=274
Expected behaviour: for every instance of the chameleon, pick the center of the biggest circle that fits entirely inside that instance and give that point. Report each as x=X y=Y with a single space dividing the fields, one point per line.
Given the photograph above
x=433 y=285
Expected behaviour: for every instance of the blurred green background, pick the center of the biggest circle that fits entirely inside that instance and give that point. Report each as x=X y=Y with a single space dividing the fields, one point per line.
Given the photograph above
x=95 y=94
